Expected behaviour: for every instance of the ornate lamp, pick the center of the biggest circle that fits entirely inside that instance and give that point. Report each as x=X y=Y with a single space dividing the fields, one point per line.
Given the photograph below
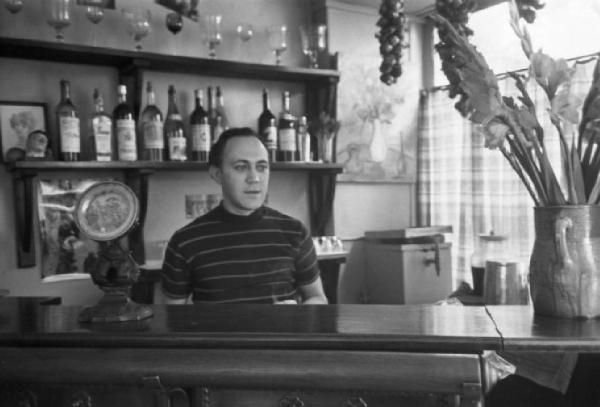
x=105 y=212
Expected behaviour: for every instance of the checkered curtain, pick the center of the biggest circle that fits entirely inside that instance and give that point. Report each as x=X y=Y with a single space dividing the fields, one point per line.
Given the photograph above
x=463 y=184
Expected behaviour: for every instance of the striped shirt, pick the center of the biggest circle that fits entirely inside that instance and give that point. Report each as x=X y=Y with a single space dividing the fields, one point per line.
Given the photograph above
x=221 y=258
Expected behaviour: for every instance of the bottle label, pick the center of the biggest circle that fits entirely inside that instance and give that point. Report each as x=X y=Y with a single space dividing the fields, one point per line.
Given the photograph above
x=69 y=135
x=153 y=135
x=269 y=137
x=287 y=140
x=126 y=140
x=102 y=127
x=177 y=146
x=200 y=137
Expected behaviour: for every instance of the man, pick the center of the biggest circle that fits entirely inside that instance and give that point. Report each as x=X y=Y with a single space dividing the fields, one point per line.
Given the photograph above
x=241 y=251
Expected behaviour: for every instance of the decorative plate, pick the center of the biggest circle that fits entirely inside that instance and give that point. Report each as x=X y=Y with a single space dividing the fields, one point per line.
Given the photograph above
x=106 y=210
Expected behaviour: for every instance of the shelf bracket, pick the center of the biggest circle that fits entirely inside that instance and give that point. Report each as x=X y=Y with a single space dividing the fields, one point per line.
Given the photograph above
x=23 y=200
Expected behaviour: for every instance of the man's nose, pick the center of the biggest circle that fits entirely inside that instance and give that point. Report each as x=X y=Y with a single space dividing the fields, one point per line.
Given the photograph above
x=253 y=175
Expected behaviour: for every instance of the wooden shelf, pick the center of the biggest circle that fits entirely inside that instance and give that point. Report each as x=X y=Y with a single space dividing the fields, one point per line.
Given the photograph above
x=124 y=59
x=158 y=166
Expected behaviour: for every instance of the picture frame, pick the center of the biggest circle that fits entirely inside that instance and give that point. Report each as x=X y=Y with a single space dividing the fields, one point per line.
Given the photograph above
x=18 y=119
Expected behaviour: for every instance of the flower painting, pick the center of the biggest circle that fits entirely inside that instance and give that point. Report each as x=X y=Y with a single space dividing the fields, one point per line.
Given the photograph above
x=377 y=138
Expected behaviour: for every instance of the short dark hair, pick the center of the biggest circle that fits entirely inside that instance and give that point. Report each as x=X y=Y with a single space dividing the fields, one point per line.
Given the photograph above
x=215 y=156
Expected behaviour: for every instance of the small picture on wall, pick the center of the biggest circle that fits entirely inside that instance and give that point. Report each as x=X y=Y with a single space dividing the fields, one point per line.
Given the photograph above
x=198 y=205
x=17 y=121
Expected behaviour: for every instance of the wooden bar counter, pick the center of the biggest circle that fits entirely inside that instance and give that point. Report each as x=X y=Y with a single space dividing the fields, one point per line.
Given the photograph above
x=265 y=355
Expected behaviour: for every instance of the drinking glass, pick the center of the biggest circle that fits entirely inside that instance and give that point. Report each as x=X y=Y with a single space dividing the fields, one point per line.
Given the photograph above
x=58 y=15
x=314 y=39
x=213 y=34
x=14 y=6
x=174 y=22
x=94 y=14
x=244 y=32
x=277 y=40
x=138 y=24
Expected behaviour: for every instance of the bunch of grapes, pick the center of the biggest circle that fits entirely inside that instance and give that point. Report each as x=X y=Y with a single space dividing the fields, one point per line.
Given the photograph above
x=457 y=13
x=527 y=9
x=391 y=39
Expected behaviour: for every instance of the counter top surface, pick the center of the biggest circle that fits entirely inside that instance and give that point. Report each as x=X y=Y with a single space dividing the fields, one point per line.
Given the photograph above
x=412 y=328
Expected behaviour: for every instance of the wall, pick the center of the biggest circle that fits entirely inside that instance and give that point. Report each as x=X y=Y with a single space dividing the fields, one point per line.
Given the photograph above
x=363 y=206
x=38 y=81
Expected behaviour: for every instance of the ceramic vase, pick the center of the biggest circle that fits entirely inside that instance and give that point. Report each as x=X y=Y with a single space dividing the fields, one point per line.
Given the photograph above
x=565 y=262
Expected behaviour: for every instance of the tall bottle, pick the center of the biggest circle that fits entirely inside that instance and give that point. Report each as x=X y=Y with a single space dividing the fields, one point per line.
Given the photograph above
x=220 y=108
x=173 y=130
x=219 y=128
x=286 y=131
x=212 y=113
x=267 y=127
x=303 y=140
x=101 y=131
x=151 y=129
x=200 y=129
x=125 y=128
x=69 y=137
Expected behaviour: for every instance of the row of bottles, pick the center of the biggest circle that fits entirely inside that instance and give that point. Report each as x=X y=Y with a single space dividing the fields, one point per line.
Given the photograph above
x=286 y=139
x=154 y=138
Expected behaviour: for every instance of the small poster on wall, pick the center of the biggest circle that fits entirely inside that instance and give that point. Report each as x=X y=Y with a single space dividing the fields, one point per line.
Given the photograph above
x=64 y=249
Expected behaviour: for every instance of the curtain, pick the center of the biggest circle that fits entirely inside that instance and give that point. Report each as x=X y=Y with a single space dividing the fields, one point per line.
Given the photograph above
x=472 y=188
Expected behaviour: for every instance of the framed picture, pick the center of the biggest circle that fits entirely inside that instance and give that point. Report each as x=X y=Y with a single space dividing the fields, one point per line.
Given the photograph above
x=17 y=121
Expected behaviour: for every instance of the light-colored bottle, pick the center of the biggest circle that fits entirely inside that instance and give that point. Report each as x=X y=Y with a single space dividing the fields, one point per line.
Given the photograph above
x=303 y=140
x=102 y=130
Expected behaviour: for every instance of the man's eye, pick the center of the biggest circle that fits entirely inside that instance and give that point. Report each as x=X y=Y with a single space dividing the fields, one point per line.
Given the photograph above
x=262 y=167
x=240 y=167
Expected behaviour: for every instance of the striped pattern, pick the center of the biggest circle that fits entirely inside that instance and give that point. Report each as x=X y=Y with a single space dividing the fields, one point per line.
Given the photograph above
x=222 y=258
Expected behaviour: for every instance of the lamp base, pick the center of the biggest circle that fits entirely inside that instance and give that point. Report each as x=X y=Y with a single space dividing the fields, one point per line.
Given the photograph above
x=115 y=307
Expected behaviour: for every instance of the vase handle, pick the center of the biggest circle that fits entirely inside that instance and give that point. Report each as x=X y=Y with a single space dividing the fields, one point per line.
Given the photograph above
x=560 y=239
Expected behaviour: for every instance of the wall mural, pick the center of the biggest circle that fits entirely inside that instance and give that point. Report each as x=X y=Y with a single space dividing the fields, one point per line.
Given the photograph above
x=377 y=138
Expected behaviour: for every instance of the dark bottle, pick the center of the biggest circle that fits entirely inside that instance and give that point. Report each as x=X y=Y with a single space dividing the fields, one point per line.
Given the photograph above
x=286 y=131
x=69 y=138
x=125 y=128
x=151 y=128
x=267 y=127
x=173 y=129
x=101 y=131
x=200 y=129
x=220 y=110
x=212 y=114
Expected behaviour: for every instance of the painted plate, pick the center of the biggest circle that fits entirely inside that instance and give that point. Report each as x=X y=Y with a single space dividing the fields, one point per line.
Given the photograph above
x=106 y=210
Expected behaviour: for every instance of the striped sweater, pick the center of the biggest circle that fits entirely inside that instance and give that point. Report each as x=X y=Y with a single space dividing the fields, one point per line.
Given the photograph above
x=221 y=258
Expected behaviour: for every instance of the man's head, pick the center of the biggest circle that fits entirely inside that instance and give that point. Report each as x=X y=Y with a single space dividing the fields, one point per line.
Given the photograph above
x=239 y=162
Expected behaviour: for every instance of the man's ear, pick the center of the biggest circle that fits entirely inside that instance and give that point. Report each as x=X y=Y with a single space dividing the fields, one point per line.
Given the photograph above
x=215 y=173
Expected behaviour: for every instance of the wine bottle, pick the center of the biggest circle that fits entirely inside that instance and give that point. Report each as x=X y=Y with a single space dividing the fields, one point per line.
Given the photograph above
x=267 y=127
x=219 y=128
x=212 y=114
x=221 y=109
x=286 y=131
x=69 y=137
x=151 y=129
x=125 y=128
x=102 y=132
x=200 y=129
x=173 y=130
x=303 y=140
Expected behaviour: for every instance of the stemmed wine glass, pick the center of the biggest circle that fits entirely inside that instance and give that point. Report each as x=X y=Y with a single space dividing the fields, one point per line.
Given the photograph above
x=14 y=6
x=58 y=15
x=244 y=32
x=277 y=40
x=138 y=25
x=94 y=14
x=174 y=23
x=314 y=39
x=213 y=35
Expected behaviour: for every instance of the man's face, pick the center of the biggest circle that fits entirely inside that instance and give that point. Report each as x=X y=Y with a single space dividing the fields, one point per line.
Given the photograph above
x=243 y=175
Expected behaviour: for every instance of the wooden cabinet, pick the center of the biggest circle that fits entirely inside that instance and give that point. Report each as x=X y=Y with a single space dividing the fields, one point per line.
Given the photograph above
x=320 y=85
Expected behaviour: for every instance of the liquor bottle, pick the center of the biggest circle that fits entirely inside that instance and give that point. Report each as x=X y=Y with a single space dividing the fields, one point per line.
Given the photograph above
x=69 y=138
x=267 y=127
x=173 y=130
x=200 y=129
x=212 y=114
x=125 y=128
x=102 y=132
x=303 y=140
x=219 y=128
x=221 y=110
x=286 y=131
x=151 y=129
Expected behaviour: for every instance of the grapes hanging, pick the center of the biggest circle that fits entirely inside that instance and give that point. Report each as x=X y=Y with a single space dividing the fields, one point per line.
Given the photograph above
x=392 y=25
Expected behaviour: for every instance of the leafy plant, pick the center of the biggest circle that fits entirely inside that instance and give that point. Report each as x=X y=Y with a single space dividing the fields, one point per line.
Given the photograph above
x=512 y=126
